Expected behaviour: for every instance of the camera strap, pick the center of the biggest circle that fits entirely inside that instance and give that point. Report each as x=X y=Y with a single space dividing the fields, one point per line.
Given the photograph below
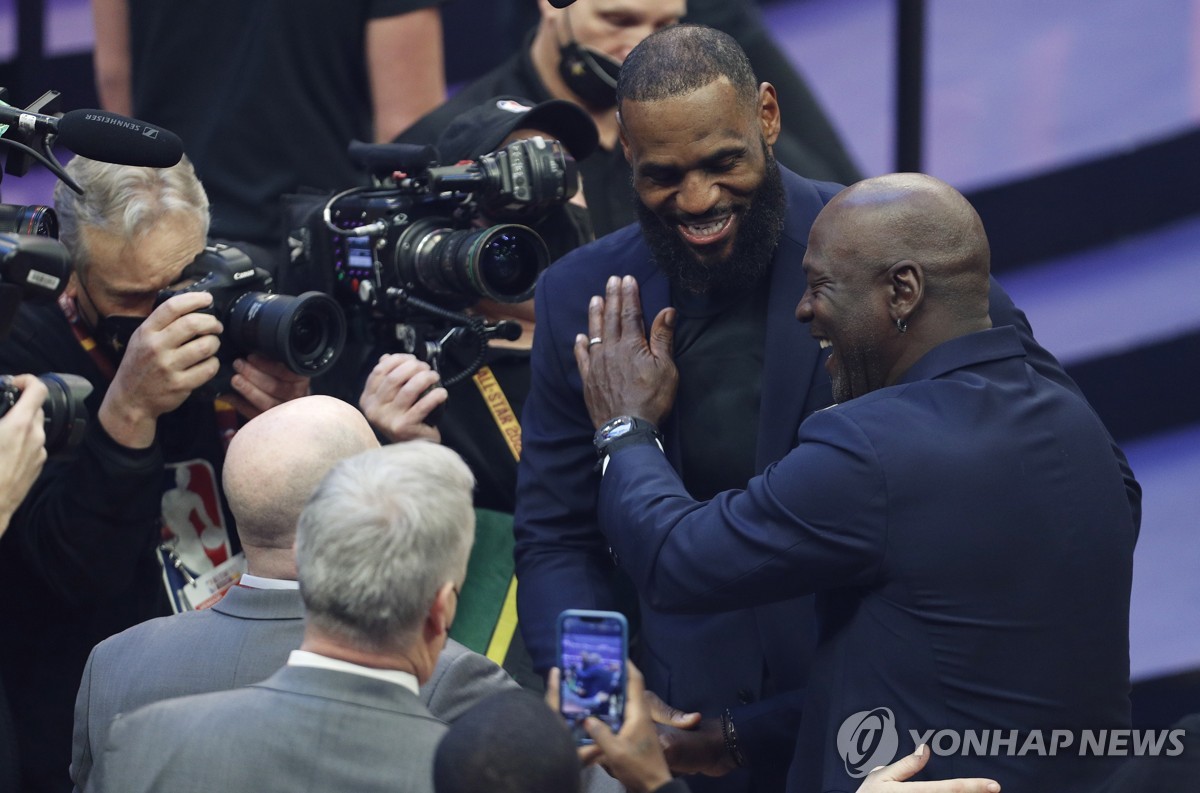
x=510 y=428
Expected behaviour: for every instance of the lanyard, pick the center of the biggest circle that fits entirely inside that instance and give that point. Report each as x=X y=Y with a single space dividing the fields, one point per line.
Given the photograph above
x=102 y=361
x=502 y=412
x=510 y=428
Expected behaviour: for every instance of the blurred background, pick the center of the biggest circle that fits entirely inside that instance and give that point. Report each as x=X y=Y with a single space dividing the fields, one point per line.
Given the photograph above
x=1074 y=128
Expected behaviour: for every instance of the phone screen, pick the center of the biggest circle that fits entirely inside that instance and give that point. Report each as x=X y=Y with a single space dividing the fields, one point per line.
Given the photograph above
x=592 y=648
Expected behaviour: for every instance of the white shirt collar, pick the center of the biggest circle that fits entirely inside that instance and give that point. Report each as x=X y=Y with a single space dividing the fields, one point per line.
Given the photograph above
x=400 y=678
x=258 y=582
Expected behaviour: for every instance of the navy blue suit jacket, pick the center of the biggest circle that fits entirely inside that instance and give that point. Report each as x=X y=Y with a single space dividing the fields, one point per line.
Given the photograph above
x=970 y=540
x=708 y=662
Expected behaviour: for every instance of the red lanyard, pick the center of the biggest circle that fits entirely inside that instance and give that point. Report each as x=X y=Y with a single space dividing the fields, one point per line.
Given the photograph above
x=86 y=341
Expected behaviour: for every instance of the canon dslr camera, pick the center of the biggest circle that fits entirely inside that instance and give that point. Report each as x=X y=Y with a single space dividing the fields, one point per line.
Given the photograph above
x=305 y=333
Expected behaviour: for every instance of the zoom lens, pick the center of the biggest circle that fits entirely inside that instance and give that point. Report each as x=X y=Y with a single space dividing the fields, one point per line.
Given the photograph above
x=306 y=333
x=31 y=219
x=65 y=411
x=500 y=263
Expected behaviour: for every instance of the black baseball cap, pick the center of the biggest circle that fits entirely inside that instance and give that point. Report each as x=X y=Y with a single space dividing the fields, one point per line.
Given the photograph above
x=481 y=129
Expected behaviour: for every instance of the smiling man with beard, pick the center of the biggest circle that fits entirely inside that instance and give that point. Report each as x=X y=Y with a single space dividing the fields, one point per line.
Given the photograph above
x=723 y=230
x=753 y=242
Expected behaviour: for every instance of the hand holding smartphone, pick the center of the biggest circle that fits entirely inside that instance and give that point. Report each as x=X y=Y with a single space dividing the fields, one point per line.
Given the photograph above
x=592 y=649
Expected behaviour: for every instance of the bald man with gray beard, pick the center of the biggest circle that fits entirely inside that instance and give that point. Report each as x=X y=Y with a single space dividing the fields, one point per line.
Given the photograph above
x=273 y=465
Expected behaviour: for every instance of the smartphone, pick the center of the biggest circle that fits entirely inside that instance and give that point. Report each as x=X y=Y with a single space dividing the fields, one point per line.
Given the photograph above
x=592 y=648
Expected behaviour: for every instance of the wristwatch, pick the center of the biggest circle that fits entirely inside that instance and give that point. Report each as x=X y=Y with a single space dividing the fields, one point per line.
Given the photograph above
x=623 y=431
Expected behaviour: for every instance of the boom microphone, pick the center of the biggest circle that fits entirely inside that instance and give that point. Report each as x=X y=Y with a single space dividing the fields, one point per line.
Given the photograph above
x=561 y=3
x=109 y=137
x=104 y=136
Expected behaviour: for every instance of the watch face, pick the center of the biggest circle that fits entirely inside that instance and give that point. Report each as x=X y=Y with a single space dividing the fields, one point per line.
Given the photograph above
x=621 y=430
x=618 y=428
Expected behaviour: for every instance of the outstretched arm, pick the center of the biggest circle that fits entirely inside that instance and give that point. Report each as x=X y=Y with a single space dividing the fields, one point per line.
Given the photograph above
x=406 y=67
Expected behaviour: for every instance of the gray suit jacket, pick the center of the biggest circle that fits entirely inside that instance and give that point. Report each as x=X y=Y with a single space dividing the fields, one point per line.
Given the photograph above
x=300 y=729
x=243 y=639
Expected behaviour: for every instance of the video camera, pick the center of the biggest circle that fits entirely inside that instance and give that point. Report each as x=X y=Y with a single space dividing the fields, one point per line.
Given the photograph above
x=31 y=268
x=305 y=333
x=409 y=253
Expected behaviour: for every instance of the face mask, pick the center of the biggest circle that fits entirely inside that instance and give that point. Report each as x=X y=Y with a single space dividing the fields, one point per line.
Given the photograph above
x=590 y=75
x=114 y=332
x=111 y=332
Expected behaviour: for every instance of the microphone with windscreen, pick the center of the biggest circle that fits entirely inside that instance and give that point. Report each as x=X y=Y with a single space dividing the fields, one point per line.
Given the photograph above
x=561 y=3
x=100 y=135
x=109 y=137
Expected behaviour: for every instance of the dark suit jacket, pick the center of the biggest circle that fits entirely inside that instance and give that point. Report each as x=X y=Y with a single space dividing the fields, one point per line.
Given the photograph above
x=242 y=639
x=1176 y=768
x=705 y=662
x=970 y=539
x=300 y=729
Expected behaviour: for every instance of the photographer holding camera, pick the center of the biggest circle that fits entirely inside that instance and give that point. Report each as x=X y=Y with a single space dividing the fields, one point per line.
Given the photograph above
x=85 y=557
x=22 y=445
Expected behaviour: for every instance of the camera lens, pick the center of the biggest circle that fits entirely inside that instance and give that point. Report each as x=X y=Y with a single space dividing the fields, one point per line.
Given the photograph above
x=65 y=411
x=305 y=333
x=500 y=262
x=32 y=219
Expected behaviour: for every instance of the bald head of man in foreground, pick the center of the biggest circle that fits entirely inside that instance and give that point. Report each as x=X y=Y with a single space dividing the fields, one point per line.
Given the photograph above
x=274 y=464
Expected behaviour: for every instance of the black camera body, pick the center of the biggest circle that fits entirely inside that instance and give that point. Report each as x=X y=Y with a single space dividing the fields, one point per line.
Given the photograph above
x=65 y=413
x=305 y=333
x=31 y=268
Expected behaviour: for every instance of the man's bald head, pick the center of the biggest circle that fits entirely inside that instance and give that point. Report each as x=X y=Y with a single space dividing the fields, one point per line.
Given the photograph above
x=917 y=217
x=896 y=265
x=277 y=460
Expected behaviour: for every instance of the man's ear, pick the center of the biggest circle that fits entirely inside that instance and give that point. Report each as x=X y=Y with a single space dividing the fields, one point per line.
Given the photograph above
x=906 y=285
x=441 y=612
x=768 y=113
x=621 y=136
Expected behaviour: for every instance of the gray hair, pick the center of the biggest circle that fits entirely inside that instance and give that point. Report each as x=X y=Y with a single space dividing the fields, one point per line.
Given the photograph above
x=125 y=201
x=382 y=533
